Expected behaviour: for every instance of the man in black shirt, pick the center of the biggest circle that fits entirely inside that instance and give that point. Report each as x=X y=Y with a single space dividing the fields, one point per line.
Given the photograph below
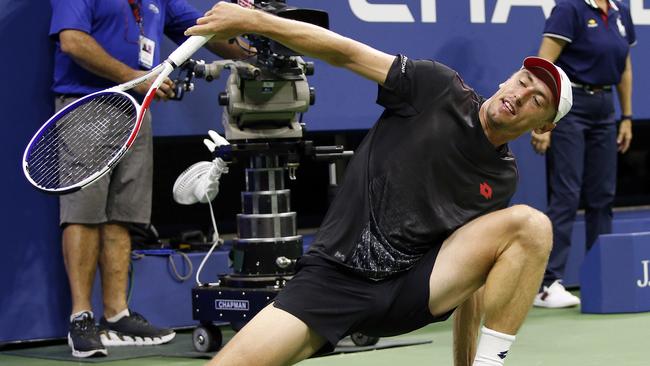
x=421 y=225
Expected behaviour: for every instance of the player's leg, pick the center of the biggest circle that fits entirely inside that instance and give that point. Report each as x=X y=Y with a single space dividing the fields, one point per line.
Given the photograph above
x=507 y=252
x=272 y=337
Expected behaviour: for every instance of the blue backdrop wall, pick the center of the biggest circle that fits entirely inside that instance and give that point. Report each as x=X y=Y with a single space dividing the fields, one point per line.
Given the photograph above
x=484 y=40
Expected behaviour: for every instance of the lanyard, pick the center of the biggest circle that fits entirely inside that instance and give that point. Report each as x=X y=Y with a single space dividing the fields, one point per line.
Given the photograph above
x=135 y=8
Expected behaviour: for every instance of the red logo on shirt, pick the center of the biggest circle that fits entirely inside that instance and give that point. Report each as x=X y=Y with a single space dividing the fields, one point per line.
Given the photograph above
x=485 y=190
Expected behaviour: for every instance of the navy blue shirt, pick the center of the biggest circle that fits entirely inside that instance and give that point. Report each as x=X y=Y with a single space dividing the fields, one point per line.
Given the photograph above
x=597 y=49
x=112 y=24
x=425 y=169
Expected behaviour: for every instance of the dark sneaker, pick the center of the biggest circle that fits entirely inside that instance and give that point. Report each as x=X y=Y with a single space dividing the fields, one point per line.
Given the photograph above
x=133 y=330
x=83 y=337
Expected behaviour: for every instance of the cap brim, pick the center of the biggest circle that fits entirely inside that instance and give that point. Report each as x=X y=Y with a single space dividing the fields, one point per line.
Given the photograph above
x=547 y=72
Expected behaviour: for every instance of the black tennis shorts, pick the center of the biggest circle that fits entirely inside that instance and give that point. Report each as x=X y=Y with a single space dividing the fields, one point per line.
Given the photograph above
x=335 y=302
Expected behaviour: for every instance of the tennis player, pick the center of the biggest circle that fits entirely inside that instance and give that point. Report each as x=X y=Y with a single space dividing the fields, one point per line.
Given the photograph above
x=421 y=227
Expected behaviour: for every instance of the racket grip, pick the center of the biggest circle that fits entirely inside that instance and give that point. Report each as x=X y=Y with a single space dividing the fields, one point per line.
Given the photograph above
x=187 y=49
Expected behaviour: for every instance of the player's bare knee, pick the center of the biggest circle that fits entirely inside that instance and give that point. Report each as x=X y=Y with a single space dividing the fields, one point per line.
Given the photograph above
x=533 y=230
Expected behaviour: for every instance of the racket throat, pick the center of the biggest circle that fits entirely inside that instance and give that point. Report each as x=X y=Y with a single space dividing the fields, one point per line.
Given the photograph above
x=147 y=102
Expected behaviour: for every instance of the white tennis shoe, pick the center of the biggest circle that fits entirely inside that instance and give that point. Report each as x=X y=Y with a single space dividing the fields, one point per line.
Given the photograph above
x=555 y=296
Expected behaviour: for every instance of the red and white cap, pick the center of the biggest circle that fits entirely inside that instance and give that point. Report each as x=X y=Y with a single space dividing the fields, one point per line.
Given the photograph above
x=557 y=81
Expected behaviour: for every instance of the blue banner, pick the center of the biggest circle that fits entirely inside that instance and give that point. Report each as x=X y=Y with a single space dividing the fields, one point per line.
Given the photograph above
x=485 y=41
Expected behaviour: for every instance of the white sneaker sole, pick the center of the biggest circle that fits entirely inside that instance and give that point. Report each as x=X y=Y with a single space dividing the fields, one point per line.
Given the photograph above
x=557 y=305
x=111 y=339
x=85 y=354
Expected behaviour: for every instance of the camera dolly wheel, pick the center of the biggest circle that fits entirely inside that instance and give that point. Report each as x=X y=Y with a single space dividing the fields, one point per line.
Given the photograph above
x=207 y=338
x=362 y=340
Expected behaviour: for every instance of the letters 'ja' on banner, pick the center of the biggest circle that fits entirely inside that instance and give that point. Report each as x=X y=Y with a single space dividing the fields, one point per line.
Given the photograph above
x=615 y=275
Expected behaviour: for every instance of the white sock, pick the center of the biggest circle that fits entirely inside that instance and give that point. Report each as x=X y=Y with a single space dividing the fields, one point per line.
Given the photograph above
x=492 y=348
x=77 y=314
x=118 y=316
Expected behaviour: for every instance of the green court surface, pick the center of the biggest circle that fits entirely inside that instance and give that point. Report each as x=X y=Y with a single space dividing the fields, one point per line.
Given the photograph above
x=549 y=337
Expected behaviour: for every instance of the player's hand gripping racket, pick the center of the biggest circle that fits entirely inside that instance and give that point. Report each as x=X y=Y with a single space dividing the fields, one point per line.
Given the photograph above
x=84 y=140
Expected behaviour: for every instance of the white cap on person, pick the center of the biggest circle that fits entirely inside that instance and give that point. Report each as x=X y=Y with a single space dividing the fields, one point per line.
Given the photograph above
x=557 y=81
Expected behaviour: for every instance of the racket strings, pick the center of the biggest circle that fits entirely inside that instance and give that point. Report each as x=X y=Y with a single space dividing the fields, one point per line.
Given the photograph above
x=83 y=141
x=67 y=124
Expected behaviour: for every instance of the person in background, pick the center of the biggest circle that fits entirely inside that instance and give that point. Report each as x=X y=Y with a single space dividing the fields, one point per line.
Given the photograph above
x=590 y=40
x=100 y=44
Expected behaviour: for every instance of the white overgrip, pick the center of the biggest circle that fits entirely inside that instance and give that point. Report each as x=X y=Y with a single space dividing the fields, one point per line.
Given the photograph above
x=187 y=49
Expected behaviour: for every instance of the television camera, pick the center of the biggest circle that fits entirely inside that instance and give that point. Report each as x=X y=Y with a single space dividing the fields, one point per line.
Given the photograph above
x=263 y=104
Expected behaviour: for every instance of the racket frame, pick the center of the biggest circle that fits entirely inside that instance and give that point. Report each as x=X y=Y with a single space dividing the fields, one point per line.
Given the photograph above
x=93 y=177
x=162 y=71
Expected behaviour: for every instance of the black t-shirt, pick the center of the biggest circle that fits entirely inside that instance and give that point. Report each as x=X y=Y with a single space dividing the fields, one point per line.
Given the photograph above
x=424 y=169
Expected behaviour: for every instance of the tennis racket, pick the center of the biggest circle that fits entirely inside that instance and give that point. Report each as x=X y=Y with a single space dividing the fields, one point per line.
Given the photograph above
x=83 y=141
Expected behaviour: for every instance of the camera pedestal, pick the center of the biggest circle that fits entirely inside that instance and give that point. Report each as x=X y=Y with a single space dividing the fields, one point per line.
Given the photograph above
x=262 y=117
x=263 y=255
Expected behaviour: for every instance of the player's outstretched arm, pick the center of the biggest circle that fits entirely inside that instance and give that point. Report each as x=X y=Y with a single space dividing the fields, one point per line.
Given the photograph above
x=227 y=20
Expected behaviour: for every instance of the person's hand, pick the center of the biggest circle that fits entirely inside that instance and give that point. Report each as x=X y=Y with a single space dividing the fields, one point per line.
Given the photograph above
x=540 y=141
x=224 y=20
x=164 y=92
x=624 y=135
